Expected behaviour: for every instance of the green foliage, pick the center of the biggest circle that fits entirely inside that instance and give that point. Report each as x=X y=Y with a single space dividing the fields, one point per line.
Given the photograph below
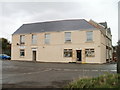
x=6 y=46
x=104 y=81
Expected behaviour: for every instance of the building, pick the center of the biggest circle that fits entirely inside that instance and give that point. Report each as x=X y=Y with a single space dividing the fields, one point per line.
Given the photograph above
x=114 y=55
x=75 y=40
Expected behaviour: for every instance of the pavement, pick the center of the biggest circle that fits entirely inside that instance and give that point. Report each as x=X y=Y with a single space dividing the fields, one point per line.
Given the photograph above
x=20 y=74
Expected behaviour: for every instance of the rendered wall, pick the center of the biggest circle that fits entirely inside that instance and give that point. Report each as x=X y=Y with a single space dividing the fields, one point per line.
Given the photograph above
x=54 y=51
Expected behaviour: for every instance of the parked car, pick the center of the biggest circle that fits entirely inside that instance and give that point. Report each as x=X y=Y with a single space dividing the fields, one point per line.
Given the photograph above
x=4 y=56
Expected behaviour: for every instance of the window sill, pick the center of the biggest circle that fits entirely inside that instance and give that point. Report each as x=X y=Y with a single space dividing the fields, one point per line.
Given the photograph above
x=90 y=57
x=22 y=45
x=67 y=42
x=33 y=44
x=89 y=42
x=67 y=57
x=22 y=56
x=47 y=44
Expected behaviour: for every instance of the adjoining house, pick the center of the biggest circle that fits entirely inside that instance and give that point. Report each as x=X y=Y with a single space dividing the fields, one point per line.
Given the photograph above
x=75 y=40
x=114 y=54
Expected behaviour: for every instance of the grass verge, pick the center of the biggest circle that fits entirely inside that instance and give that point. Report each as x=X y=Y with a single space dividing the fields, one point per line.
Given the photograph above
x=104 y=81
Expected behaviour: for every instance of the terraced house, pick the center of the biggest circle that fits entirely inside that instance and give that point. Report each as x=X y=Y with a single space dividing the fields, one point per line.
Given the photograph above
x=74 y=40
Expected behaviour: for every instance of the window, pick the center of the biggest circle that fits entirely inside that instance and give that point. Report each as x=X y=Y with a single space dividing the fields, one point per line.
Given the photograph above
x=22 y=52
x=22 y=39
x=67 y=36
x=34 y=39
x=89 y=52
x=47 y=38
x=89 y=36
x=67 y=52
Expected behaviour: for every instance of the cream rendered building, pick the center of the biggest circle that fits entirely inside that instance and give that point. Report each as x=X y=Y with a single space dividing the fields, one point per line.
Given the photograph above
x=63 y=41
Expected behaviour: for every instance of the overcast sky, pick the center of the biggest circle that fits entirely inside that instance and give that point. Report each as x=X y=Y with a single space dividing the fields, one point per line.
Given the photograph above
x=14 y=14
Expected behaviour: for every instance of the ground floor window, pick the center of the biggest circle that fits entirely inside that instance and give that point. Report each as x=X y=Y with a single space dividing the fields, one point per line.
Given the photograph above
x=22 y=52
x=67 y=52
x=89 y=52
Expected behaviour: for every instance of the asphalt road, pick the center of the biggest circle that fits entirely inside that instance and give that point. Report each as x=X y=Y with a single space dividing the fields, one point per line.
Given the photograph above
x=18 y=74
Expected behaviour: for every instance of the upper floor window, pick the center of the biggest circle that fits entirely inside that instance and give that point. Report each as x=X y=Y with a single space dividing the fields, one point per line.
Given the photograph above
x=67 y=36
x=89 y=35
x=47 y=38
x=22 y=39
x=34 y=39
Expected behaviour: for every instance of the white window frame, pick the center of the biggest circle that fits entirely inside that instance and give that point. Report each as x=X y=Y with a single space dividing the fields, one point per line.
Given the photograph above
x=22 y=51
x=47 y=38
x=68 y=52
x=22 y=39
x=89 y=36
x=68 y=37
x=90 y=52
x=34 y=39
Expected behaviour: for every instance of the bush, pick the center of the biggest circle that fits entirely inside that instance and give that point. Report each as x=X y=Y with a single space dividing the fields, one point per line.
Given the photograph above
x=104 y=81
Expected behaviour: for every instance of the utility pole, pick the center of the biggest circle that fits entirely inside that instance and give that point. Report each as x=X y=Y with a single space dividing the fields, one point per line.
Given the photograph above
x=118 y=47
x=118 y=57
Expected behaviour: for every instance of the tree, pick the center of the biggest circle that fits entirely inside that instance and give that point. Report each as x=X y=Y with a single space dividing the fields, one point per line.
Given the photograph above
x=118 y=57
x=5 y=46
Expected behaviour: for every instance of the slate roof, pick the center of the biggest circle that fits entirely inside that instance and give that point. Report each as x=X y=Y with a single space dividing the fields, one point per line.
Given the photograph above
x=104 y=24
x=55 y=26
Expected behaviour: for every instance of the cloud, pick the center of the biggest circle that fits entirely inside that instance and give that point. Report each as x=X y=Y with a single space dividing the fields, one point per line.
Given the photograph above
x=15 y=14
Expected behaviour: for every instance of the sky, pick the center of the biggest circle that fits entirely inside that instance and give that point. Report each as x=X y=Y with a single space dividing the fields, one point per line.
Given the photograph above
x=14 y=14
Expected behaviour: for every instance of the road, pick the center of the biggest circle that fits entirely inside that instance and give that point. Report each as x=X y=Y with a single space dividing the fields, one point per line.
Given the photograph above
x=19 y=74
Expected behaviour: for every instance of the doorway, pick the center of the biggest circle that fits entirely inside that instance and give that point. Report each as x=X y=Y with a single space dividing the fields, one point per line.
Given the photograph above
x=34 y=55
x=79 y=56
